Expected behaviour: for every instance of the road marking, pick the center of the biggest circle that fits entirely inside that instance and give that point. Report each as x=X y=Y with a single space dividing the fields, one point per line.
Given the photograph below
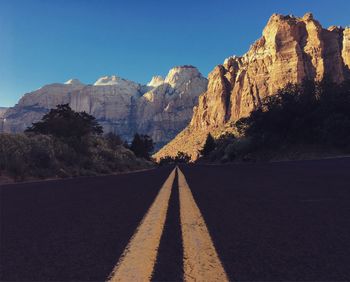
x=137 y=261
x=201 y=261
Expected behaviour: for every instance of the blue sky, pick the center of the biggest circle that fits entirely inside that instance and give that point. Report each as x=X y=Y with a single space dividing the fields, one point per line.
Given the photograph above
x=45 y=41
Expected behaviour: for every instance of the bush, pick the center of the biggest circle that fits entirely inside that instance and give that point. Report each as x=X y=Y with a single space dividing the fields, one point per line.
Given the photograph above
x=114 y=140
x=180 y=158
x=65 y=123
x=309 y=113
x=42 y=156
x=14 y=151
x=208 y=146
x=52 y=147
x=142 y=146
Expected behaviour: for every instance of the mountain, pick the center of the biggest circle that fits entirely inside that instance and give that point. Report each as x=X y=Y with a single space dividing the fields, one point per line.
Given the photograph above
x=161 y=109
x=2 y=111
x=290 y=50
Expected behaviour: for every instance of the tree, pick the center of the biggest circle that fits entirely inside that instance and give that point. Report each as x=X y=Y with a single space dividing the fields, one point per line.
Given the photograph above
x=209 y=146
x=142 y=146
x=114 y=140
x=63 y=122
x=182 y=157
x=167 y=160
x=310 y=113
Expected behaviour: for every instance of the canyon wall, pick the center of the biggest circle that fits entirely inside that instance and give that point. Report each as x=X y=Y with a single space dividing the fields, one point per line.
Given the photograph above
x=290 y=50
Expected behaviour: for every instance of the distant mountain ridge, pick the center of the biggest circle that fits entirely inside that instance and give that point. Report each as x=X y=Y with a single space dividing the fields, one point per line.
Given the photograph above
x=290 y=50
x=2 y=111
x=161 y=109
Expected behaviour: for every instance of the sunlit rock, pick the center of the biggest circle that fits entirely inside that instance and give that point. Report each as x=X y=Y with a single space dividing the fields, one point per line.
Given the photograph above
x=290 y=50
x=160 y=109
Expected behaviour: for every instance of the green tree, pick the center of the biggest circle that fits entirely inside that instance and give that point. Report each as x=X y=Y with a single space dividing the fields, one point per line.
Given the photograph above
x=113 y=140
x=310 y=113
x=209 y=146
x=63 y=122
x=182 y=157
x=142 y=146
x=166 y=160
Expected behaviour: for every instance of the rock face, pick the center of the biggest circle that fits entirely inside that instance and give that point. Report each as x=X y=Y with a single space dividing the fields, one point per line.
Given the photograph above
x=2 y=111
x=346 y=47
x=161 y=109
x=291 y=49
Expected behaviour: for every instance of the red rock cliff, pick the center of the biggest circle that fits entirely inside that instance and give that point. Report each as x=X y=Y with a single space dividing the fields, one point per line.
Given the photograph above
x=290 y=50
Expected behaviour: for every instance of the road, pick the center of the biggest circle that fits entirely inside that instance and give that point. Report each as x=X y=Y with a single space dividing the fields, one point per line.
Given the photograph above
x=72 y=230
x=279 y=221
x=257 y=222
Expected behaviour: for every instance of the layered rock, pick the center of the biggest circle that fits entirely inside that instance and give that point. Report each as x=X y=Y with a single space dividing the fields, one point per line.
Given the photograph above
x=160 y=109
x=346 y=47
x=290 y=50
x=176 y=96
x=2 y=111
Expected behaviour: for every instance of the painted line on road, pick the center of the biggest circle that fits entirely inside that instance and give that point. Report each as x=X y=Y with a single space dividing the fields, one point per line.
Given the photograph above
x=138 y=259
x=201 y=261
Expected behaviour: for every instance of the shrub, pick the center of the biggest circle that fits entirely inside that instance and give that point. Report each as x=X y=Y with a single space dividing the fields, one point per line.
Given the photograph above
x=306 y=115
x=208 y=146
x=142 y=146
x=63 y=122
x=309 y=113
x=14 y=153
x=66 y=143
x=181 y=157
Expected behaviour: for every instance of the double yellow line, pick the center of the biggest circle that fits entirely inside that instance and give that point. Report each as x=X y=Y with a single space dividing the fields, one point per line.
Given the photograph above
x=201 y=261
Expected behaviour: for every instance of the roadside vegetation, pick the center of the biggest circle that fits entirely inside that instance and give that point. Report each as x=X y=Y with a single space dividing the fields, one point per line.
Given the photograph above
x=66 y=143
x=180 y=158
x=310 y=119
x=142 y=146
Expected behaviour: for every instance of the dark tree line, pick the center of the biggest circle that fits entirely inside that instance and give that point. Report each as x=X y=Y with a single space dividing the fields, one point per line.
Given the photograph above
x=208 y=146
x=142 y=146
x=180 y=158
x=316 y=114
x=68 y=143
x=76 y=127
x=309 y=113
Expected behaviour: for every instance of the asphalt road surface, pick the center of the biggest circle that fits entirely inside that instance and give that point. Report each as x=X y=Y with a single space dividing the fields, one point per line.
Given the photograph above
x=278 y=221
x=249 y=222
x=72 y=230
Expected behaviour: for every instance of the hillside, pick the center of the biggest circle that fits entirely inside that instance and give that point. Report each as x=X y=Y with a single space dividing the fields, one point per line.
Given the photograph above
x=161 y=109
x=290 y=50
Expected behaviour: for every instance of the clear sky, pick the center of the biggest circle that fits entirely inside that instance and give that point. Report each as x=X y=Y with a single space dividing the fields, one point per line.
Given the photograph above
x=45 y=41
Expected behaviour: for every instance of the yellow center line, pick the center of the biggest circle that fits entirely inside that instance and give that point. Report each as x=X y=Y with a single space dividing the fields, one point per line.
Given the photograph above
x=201 y=261
x=137 y=261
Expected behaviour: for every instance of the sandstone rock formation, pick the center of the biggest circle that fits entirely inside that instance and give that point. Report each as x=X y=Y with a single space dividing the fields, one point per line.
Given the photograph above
x=160 y=109
x=291 y=49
